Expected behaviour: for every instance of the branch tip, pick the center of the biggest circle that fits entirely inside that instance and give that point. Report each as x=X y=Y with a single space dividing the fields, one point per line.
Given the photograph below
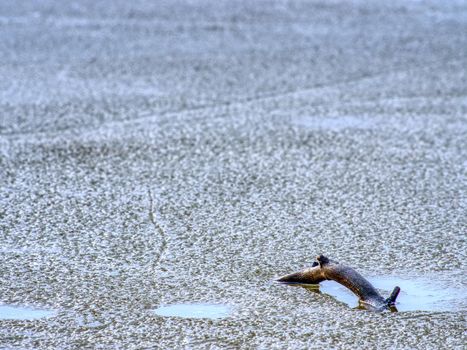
x=392 y=298
x=322 y=260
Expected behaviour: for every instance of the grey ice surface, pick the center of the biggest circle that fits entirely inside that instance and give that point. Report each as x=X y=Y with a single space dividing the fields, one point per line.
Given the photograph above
x=265 y=132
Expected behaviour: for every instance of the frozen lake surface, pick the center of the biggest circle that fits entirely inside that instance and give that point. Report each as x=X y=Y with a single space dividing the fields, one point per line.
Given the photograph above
x=212 y=311
x=162 y=153
x=15 y=312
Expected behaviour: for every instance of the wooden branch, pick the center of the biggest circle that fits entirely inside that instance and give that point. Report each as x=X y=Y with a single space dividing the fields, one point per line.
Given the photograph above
x=326 y=269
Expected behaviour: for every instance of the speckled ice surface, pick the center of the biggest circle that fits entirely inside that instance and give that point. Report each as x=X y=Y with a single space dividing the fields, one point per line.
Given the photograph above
x=266 y=133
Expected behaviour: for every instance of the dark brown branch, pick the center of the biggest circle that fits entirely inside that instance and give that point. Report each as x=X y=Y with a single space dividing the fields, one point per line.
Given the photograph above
x=326 y=269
